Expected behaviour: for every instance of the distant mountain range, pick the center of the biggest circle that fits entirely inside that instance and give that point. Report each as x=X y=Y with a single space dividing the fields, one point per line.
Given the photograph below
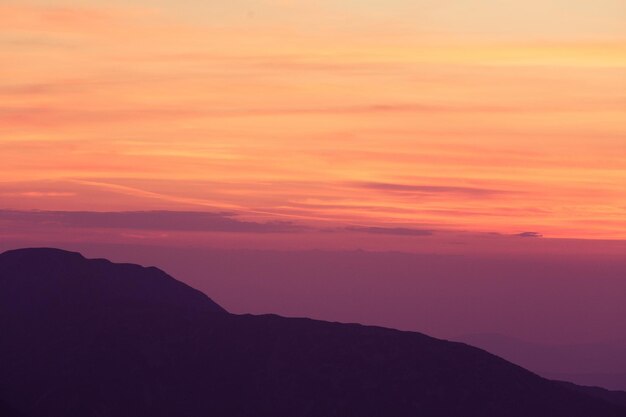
x=89 y=338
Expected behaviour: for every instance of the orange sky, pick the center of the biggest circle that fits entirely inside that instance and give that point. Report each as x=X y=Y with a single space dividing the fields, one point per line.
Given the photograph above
x=478 y=116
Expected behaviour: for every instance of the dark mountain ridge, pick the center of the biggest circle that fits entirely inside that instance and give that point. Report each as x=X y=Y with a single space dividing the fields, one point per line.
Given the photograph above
x=91 y=338
x=53 y=276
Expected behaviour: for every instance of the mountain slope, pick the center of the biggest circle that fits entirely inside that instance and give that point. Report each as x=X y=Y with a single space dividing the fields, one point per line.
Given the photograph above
x=601 y=364
x=615 y=397
x=8 y=411
x=90 y=338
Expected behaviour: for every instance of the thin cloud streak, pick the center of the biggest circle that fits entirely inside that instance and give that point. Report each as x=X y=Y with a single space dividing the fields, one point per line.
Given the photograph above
x=430 y=189
x=149 y=220
x=397 y=231
x=529 y=234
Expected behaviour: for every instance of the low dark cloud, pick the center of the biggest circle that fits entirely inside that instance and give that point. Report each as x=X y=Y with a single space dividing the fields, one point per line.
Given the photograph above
x=149 y=220
x=397 y=231
x=529 y=234
x=428 y=189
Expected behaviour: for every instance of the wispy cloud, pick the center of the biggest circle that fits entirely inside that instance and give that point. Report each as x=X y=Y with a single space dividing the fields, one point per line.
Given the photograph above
x=64 y=19
x=429 y=189
x=529 y=234
x=149 y=220
x=60 y=117
x=38 y=194
x=397 y=231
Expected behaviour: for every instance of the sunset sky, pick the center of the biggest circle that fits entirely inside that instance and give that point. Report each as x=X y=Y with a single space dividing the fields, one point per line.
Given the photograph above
x=395 y=119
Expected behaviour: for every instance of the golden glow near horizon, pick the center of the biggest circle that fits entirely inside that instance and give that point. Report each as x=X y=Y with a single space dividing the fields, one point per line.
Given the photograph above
x=480 y=116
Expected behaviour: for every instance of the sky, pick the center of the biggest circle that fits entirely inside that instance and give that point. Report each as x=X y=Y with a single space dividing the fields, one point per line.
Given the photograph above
x=443 y=166
x=471 y=117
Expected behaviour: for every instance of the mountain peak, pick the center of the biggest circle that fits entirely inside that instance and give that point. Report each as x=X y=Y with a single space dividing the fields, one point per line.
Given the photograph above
x=41 y=253
x=55 y=276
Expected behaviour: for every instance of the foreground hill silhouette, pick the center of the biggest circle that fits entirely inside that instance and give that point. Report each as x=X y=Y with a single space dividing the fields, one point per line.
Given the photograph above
x=8 y=411
x=91 y=338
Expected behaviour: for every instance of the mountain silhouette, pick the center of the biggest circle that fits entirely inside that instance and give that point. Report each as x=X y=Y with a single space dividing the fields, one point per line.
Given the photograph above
x=8 y=411
x=90 y=338
x=615 y=397
x=601 y=364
